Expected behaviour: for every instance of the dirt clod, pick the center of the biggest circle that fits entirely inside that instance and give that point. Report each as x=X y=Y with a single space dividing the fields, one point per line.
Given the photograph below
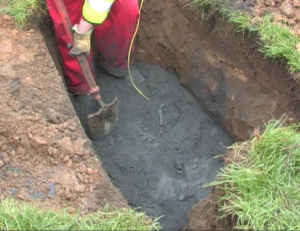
x=287 y=9
x=89 y=171
x=80 y=177
x=66 y=159
x=79 y=188
x=53 y=116
x=20 y=151
x=68 y=194
x=296 y=3
x=87 y=152
x=50 y=151
x=7 y=18
x=21 y=197
x=269 y=2
x=69 y=163
x=79 y=147
x=1 y=163
x=71 y=210
x=39 y=140
x=67 y=146
x=82 y=167
x=55 y=152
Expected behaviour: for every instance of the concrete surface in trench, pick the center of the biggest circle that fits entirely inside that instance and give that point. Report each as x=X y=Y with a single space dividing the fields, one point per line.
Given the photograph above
x=162 y=150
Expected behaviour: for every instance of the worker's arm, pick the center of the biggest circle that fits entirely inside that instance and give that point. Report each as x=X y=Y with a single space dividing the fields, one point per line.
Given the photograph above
x=84 y=26
x=94 y=12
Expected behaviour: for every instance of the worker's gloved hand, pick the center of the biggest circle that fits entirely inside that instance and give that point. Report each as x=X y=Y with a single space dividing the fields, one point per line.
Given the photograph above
x=82 y=42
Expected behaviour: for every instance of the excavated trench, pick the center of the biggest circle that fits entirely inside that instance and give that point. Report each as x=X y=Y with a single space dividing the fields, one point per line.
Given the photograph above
x=163 y=150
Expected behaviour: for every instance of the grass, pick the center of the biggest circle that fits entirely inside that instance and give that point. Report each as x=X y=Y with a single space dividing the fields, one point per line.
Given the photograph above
x=276 y=40
x=261 y=186
x=25 y=216
x=205 y=5
x=22 y=10
x=240 y=21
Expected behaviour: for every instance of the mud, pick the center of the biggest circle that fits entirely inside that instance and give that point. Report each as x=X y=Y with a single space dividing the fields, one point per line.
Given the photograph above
x=163 y=149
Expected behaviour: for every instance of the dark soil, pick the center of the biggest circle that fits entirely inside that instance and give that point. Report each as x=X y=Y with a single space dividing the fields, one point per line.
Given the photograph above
x=163 y=149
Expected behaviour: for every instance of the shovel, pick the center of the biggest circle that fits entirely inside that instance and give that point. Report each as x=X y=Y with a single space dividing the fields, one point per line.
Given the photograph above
x=106 y=118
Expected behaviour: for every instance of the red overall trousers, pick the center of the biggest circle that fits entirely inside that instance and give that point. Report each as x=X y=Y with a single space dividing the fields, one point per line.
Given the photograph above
x=112 y=38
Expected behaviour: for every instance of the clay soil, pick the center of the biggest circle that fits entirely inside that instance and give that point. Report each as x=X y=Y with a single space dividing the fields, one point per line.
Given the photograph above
x=44 y=153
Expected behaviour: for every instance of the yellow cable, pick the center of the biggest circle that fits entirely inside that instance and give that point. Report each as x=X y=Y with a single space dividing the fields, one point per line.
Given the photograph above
x=129 y=53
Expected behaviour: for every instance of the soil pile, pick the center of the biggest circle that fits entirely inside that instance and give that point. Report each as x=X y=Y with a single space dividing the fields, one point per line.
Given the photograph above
x=44 y=153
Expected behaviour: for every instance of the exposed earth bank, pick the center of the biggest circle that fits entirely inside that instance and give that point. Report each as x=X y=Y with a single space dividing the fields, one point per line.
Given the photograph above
x=44 y=153
x=225 y=72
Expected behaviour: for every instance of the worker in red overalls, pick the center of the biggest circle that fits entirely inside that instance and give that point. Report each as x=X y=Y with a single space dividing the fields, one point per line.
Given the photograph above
x=114 y=23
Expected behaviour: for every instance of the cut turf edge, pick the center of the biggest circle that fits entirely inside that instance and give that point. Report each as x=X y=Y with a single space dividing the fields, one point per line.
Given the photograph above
x=276 y=40
x=260 y=182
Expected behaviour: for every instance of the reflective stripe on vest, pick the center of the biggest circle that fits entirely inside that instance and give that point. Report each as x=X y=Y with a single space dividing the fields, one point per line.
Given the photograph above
x=96 y=11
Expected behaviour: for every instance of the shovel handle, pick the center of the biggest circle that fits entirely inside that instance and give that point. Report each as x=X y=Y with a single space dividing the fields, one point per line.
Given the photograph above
x=84 y=65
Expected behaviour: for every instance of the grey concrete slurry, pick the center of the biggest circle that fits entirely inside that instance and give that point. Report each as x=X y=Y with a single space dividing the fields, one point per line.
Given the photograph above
x=162 y=150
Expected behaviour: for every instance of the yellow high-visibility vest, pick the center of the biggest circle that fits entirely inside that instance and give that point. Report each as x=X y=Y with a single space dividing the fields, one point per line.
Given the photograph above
x=96 y=11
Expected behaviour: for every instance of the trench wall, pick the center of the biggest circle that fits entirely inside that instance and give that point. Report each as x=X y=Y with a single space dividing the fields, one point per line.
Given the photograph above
x=224 y=71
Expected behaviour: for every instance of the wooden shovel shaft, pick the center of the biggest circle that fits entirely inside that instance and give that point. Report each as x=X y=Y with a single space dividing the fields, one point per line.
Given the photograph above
x=84 y=65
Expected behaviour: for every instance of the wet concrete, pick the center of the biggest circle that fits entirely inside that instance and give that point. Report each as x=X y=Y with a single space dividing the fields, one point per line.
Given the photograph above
x=163 y=149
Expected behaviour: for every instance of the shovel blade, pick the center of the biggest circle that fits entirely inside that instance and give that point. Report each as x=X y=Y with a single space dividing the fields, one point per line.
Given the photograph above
x=104 y=120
